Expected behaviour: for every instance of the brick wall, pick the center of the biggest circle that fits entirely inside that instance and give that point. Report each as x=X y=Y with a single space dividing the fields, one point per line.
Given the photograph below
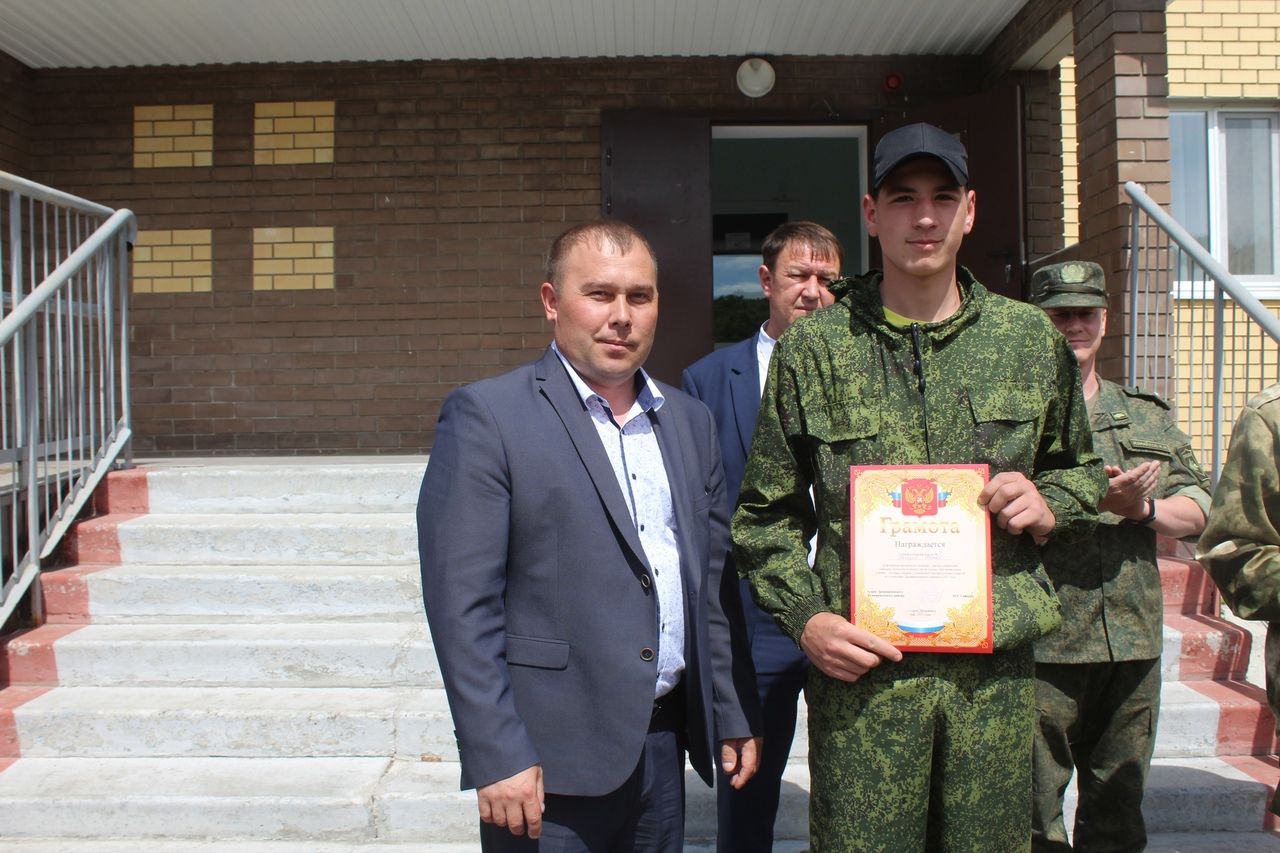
x=1042 y=127
x=1123 y=135
x=447 y=182
x=1224 y=49
x=15 y=117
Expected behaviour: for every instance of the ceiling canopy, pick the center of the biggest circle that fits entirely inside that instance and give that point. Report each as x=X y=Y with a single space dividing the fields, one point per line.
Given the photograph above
x=94 y=33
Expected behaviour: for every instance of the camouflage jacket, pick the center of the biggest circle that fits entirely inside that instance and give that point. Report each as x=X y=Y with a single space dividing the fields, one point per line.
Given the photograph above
x=1109 y=584
x=1240 y=546
x=996 y=384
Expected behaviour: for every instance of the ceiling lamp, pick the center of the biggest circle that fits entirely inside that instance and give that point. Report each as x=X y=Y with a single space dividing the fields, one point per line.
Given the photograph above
x=755 y=77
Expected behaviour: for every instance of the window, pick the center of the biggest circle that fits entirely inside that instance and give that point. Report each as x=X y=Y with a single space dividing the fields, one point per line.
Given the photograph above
x=1225 y=188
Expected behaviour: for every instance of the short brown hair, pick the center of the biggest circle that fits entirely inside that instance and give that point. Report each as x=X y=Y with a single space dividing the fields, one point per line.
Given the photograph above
x=819 y=240
x=598 y=234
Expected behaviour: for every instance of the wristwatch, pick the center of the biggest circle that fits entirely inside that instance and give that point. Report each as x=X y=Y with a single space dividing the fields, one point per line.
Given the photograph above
x=1149 y=517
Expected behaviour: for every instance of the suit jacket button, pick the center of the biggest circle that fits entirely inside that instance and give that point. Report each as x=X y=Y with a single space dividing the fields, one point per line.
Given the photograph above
x=646 y=654
x=645 y=582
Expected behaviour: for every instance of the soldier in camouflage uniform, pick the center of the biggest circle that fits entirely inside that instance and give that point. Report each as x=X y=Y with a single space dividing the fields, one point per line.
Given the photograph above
x=1240 y=547
x=919 y=364
x=1098 y=678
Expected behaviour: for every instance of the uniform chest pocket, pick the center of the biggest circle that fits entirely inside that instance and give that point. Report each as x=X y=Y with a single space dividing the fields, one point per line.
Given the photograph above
x=1005 y=424
x=836 y=421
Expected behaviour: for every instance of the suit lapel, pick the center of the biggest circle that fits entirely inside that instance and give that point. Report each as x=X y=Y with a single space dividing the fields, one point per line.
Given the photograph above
x=744 y=389
x=553 y=383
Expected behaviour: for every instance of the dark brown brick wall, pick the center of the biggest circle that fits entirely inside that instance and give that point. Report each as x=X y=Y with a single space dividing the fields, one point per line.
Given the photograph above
x=1042 y=129
x=15 y=116
x=449 y=180
x=1123 y=130
x=1026 y=28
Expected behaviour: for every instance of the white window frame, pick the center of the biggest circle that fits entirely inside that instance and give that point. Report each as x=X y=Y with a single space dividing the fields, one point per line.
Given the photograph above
x=1262 y=286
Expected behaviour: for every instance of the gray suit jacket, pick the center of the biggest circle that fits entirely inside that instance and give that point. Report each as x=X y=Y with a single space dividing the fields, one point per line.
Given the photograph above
x=539 y=596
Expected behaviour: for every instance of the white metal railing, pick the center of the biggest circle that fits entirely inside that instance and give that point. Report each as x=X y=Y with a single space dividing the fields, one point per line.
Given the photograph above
x=1196 y=334
x=64 y=369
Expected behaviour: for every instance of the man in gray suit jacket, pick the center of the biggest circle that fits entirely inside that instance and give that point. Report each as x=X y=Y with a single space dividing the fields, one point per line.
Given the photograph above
x=799 y=260
x=572 y=529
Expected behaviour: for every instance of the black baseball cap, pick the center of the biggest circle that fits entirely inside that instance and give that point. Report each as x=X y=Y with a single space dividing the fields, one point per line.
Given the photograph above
x=919 y=140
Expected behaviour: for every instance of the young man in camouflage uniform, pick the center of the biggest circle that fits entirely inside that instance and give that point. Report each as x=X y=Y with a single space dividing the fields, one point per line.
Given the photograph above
x=1240 y=546
x=1098 y=678
x=919 y=364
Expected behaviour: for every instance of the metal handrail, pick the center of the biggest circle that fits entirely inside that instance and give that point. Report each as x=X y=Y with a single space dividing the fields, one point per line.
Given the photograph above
x=64 y=369
x=1164 y=258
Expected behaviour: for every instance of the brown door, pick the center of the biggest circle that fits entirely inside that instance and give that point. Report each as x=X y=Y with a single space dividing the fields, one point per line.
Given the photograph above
x=656 y=176
x=989 y=125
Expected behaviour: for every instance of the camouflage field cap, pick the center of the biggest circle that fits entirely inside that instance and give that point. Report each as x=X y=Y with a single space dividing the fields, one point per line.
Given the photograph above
x=1071 y=284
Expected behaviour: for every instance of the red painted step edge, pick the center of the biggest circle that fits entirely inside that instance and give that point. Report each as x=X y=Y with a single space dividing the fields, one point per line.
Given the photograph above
x=28 y=662
x=1187 y=587
x=28 y=668
x=1245 y=723
x=1212 y=648
x=123 y=492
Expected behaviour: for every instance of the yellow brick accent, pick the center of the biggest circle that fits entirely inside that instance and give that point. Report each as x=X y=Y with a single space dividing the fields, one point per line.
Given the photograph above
x=1246 y=358
x=1233 y=38
x=172 y=136
x=173 y=261
x=293 y=132
x=293 y=258
x=1070 y=153
x=1224 y=90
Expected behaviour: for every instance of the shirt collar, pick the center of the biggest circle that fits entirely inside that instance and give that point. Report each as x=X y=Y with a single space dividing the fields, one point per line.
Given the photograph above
x=649 y=399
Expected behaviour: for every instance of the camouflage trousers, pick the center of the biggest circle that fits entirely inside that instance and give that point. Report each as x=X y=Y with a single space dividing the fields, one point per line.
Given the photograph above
x=929 y=754
x=1272 y=658
x=1100 y=720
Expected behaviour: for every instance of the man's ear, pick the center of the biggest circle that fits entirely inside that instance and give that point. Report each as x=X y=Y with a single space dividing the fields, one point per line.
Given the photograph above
x=970 y=199
x=869 y=213
x=549 y=300
x=766 y=279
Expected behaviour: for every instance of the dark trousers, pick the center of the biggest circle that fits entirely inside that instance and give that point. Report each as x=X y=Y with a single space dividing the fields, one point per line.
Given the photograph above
x=745 y=818
x=1098 y=719
x=644 y=815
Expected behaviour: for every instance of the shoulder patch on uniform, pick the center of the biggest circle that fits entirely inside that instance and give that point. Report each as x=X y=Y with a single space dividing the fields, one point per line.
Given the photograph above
x=1140 y=394
x=1120 y=416
x=1266 y=395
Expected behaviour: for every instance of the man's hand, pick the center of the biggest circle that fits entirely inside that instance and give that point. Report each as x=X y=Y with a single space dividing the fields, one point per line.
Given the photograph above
x=1017 y=505
x=515 y=802
x=740 y=758
x=1127 y=491
x=841 y=649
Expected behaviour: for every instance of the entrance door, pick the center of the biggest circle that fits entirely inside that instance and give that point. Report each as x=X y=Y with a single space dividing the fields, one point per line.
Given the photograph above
x=989 y=126
x=656 y=177
x=763 y=176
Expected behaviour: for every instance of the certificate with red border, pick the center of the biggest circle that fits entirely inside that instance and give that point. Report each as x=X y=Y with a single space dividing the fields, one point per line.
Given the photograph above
x=920 y=556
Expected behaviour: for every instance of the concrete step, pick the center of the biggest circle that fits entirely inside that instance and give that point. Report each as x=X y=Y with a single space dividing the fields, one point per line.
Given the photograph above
x=324 y=484
x=1206 y=718
x=363 y=799
x=247 y=722
x=325 y=799
x=299 y=654
x=191 y=592
x=246 y=539
x=133 y=721
x=1201 y=647
x=1186 y=586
